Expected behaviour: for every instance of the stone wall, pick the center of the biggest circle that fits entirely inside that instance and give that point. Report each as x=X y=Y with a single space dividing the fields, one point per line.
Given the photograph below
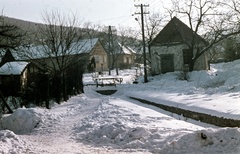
x=206 y=118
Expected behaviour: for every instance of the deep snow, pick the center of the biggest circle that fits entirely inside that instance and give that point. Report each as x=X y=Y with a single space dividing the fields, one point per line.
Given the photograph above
x=94 y=123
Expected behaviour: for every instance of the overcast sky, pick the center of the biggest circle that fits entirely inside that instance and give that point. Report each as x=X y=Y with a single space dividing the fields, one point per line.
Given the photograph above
x=103 y=12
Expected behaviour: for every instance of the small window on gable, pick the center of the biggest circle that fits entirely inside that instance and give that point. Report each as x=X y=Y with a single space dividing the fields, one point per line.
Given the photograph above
x=104 y=59
x=96 y=58
x=186 y=56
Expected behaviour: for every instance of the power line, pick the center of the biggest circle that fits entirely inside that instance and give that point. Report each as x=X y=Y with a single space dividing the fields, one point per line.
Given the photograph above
x=112 y=18
x=127 y=18
x=123 y=17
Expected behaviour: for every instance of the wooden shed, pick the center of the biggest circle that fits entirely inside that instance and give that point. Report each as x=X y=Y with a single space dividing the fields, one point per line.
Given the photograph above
x=13 y=77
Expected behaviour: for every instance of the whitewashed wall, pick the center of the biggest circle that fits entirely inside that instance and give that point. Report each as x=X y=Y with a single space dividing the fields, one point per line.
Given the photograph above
x=176 y=50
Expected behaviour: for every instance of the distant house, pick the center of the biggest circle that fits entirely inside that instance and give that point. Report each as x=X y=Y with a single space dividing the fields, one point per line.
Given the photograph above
x=126 y=57
x=97 y=51
x=123 y=56
x=169 y=50
x=13 y=77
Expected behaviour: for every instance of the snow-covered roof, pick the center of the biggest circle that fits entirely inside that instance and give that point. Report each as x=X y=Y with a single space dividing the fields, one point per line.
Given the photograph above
x=87 y=45
x=13 y=68
x=126 y=49
x=41 y=51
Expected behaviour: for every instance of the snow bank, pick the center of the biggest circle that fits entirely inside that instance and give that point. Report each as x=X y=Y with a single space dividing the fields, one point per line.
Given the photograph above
x=22 y=120
x=118 y=135
x=225 y=140
x=10 y=143
x=112 y=126
x=221 y=78
x=121 y=135
x=104 y=128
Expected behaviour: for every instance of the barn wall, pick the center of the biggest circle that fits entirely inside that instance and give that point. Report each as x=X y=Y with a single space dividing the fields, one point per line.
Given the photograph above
x=176 y=50
x=157 y=51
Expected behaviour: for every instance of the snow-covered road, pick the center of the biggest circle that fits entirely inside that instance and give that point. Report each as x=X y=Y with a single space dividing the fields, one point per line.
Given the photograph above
x=57 y=134
x=93 y=123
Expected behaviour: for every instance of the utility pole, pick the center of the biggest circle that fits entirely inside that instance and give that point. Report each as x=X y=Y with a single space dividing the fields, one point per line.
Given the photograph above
x=109 y=48
x=143 y=41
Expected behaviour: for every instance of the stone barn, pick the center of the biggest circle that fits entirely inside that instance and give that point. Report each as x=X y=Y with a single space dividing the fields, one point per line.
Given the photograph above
x=170 y=52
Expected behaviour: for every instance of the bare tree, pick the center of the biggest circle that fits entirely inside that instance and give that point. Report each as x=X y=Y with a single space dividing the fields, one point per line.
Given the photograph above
x=153 y=24
x=129 y=37
x=214 y=20
x=60 y=37
x=11 y=36
x=59 y=48
x=231 y=49
x=214 y=52
x=91 y=30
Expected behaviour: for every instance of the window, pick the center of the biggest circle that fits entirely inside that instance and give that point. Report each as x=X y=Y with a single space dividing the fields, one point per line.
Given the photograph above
x=100 y=59
x=96 y=58
x=104 y=59
x=124 y=59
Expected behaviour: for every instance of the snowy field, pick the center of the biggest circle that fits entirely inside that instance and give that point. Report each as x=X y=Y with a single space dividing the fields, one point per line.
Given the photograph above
x=98 y=124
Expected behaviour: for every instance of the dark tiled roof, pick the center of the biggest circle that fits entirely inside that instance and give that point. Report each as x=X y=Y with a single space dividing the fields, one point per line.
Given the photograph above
x=175 y=32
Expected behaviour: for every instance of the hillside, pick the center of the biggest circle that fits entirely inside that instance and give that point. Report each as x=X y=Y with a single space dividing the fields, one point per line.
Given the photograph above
x=25 y=25
x=86 y=32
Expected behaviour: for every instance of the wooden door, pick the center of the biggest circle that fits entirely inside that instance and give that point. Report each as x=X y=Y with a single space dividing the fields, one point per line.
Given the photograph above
x=167 y=63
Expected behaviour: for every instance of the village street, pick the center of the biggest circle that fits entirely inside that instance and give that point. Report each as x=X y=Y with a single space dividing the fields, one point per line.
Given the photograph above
x=79 y=126
x=95 y=123
x=84 y=77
